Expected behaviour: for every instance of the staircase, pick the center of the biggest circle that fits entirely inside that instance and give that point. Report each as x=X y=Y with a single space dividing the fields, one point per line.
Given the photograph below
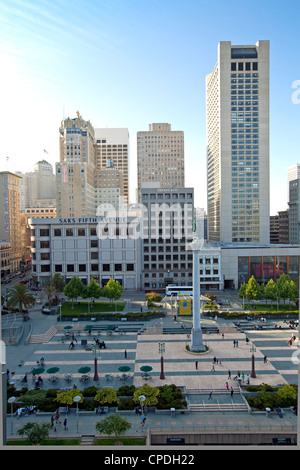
x=87 y=439
x=215 y=404
x=45 y=337
x=219 y=407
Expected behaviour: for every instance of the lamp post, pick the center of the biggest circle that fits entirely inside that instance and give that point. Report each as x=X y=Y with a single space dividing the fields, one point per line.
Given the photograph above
x=253 y=349
x=162 y=349
x=11 y=400
x=96 y=376
x=77 y=400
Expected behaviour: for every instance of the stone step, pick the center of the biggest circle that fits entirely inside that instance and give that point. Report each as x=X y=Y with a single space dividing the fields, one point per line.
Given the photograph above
x=43 y=338
x=218 y=407
x=206 y=391
x=87 y=440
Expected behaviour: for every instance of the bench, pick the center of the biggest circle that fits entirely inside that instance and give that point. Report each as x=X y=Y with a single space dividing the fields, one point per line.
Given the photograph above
x=101 y=410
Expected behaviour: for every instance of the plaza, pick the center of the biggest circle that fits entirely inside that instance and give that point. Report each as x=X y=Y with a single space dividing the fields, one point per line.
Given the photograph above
x=198 y=374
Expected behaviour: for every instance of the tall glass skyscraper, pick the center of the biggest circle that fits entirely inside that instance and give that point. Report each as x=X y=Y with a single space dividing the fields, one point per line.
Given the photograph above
x=237 y=117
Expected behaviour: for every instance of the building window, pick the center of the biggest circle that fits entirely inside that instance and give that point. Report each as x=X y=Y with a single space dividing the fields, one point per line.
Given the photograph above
x=57 y=232
x=94 y=255
x=82 y=268
x=106 y=267
x=44 y=244
x=58 y=268
x=45 y=268
x=81 y=232
x=130 y=267
x=70 y=268
x=118 y=267
x=44 y=232
x=69 y=232
x=45 y=256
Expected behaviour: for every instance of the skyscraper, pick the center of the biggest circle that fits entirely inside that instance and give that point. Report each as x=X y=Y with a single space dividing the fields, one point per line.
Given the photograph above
x=237 y=121
x=75 y=171
x=160 y=156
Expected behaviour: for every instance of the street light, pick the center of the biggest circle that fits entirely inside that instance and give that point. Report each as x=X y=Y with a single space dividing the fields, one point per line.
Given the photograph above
x=77 y=400
x=94 y=348
x=11 y=400
x=162 y=349
x=253 y=349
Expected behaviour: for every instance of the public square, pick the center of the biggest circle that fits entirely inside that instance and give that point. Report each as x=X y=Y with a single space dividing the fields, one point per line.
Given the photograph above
x=136 y=344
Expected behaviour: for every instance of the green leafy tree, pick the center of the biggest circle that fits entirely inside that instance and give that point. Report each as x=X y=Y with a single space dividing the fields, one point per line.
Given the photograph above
x=20 y=298
x=106 y=396
x=271 y=291
x=35 y=433
x=113 y=290
x=153 y=297
x=58 y=281
x=252 y=290
x=149 y=392
x=93 y=290
x=114 y=424
x=66 y=397
x=74 y=289
x=293 y=292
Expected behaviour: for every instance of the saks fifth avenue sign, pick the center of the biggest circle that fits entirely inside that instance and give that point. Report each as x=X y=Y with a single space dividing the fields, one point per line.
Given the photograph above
x=91 y=220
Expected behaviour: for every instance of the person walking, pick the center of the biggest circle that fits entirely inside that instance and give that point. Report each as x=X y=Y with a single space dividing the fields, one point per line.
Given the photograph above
x=229 y=374
x=213 y=367
x=196 y=364
x=227 y=386
x=231 y=392
x=66 y=423
x=125 y=354
x=210 y=396
x=143 y=422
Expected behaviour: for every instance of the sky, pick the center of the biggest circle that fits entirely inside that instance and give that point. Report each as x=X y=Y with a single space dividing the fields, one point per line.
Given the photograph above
x=129 y=63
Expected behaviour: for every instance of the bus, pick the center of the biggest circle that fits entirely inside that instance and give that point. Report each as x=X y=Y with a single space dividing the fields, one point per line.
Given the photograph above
x=175 y=290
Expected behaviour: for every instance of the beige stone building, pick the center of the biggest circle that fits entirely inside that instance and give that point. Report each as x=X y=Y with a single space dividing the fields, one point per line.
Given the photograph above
x=112 y=150
x=160 y=156
x=237 y=120
x=75 y=171
x=10 y=222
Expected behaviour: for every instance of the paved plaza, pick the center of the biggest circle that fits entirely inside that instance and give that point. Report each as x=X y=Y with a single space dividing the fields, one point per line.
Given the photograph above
x=228 y=350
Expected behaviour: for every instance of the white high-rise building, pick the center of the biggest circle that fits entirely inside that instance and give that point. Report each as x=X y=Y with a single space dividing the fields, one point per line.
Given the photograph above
x=293 y=173
x=237 y=116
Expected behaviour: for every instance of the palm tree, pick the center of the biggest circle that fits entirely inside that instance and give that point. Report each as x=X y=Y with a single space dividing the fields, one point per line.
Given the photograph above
x=20 y=298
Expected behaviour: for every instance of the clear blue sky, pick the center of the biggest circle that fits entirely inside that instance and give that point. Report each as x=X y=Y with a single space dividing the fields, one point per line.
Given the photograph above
x=128 y=63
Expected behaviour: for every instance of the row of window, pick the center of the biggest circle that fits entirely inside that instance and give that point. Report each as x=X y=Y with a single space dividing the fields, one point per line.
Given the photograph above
x=71 y=268
x=241 y=66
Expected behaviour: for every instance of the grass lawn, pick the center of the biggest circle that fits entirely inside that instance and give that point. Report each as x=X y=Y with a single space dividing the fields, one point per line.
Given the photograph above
x=84 y=308
x=271 y=308
x=49 y=442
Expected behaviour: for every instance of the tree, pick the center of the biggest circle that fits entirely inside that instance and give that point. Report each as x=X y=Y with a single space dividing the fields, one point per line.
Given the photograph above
x=36 y=433
x=283 y=287
x=74 y=289
x=293 y=292
x=150 y=393
x=106 y=396
x=271 y=291
x=113 y=290
x=20 y=298
x=93 y=290
x=153 y=297
x=58 y=281
x=66 y=397
x=252 y=289
x=114 y=424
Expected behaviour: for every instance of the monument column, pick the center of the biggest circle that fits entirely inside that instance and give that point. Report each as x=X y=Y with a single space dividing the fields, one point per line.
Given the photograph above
x=196 y=334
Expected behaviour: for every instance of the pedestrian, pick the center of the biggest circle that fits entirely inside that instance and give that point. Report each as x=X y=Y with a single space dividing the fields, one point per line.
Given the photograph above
x=196 y=364
x=248 y=379
x=265 y=359
x=57 y=416
x=210 y=396
x=125 y=354
x=231 y=392
x=234 y=343
x=222 y=335
x=213 y=368
x=227 y=386
x=229 y=374
x=52 y=421
x=243 y=378
x=143 y=422
x=66 y=423
x=237 y=343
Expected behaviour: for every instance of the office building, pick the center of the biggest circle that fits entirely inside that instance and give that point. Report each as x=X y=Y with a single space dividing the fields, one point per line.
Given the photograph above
x=102 y=248
x=10 y=210
x=294 y=211
x=237 y=116
x=293 y=173
x=167 y=231
x=112 y=151
x=160 y=157
x=75 y=192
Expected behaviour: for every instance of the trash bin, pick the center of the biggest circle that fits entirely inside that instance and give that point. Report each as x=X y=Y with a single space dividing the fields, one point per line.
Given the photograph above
x=172 y=411
x=268 y=411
